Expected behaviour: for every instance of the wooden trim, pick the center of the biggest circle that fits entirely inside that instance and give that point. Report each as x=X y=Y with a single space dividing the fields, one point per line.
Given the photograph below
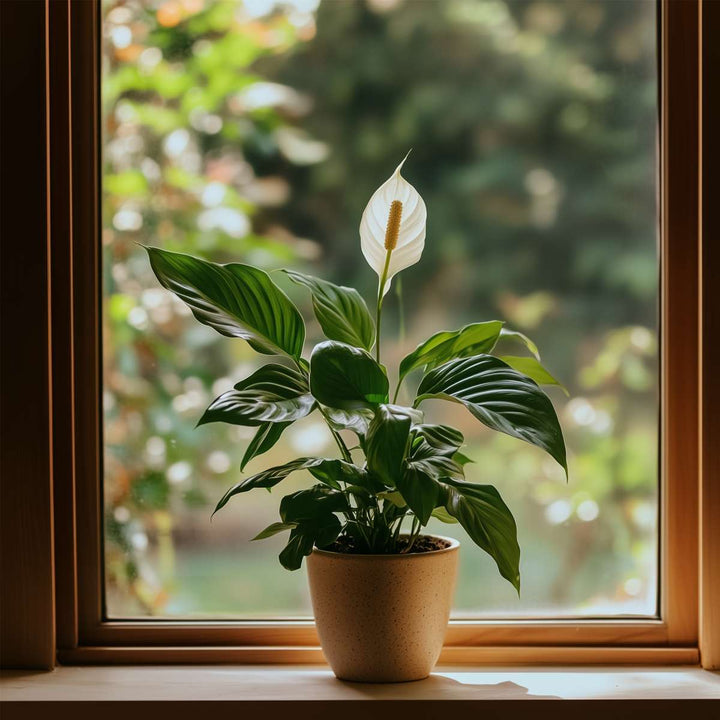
x=679 y=231
x=85 y=64
x=27 y=628
x=675 y=636
x=63 y=322
x=303 y=634
x=451 y=655
x=710 y=344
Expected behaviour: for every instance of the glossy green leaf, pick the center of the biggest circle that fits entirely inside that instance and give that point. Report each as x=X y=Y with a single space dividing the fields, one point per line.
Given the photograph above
x=346 y=377
x=316 y=524
x=443 y=346
x=443 y=439
x=419 y=489
x=387 y=442
x=274 y=529
x=355 y=420
x=341 y=311
x=521 y=338
x=501 y=398
x=335 y=472
x=319 y=532
x=462 y=458
x=274 y=393
x=487 y=520
x=299 y=546
x=441 y=514
x=533 y=369
x=236 y=300
x=268 y=433
x=311 y=504
x=426 y=464
x=274 y=475
x=427 y=460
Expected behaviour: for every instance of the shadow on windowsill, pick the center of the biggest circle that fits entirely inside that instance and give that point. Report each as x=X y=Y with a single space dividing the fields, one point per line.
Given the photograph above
x=439 y=687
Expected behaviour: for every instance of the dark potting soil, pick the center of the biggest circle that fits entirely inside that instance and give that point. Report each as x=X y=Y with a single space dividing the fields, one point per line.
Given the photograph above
x=422 y=544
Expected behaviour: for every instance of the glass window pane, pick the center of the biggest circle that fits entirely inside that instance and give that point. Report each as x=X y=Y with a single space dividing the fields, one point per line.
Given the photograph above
x=256 y=131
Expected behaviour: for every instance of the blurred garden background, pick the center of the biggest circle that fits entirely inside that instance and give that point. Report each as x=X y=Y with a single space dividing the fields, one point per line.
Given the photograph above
x=256 y=131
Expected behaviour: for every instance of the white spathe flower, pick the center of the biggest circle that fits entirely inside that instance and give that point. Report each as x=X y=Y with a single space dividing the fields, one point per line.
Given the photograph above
x=392 y=229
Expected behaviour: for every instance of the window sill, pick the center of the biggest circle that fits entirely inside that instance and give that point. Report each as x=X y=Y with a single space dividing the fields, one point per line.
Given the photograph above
x=313 y=692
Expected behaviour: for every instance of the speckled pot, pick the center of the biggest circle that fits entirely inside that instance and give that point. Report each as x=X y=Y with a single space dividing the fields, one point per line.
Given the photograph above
x=382 y=618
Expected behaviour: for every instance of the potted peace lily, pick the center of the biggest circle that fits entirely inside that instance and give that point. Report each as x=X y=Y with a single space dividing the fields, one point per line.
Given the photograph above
x=381 y=590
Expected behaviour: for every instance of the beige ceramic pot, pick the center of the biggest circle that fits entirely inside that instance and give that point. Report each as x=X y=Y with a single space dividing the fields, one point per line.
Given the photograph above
x=382 y=618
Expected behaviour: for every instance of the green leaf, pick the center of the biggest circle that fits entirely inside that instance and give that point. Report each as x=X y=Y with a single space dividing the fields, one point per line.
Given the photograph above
x=419 y=489
x=236 y=300
x=533 y=369
x=426 y=464
x=274 y=529
x=319 y=532
x=274 y=393
x=334 y=472
x=299 y=545
x=356 y=420
x=345 y=377
x=387 y=442
x=393 y=497
x=265 y=438
x=341 y=311
x=443 y=346
x=441 y=514
x=487 y=520
x=265 y=479
x=443 y=439
x=462 y=458
x=311 y=504
x=313 y=512
x=425 y=458
x=524 y=339
x=501 y=398
x=323 y=468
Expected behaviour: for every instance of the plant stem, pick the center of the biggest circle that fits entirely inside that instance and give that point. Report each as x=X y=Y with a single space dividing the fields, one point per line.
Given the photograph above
x=336 y=436
x=381 y=295
x=340 y=442
x=401 y=308
x=396 y=533
x=397 y=392
x=414 y=532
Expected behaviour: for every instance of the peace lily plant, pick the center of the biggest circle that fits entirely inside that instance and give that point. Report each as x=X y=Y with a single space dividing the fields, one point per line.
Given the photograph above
x=376 y=497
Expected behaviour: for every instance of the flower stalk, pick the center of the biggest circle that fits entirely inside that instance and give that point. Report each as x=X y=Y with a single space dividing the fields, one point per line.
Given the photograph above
x=392 y=232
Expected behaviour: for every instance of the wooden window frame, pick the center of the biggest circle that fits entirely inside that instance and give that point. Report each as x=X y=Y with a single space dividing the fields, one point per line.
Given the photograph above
x=72 y=66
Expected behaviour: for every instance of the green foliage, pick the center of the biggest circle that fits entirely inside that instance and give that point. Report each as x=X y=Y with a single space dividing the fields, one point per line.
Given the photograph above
x=501 y=398
x=236 y=300
x=346 y=378
x=533 y=369
x=488 y=521
x=474 y=339
x=410 y=469
x=341 y=311
x=272 y=394
x=265 y=438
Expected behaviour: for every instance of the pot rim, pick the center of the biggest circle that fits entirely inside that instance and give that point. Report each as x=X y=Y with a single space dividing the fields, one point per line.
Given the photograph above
x=454 y=545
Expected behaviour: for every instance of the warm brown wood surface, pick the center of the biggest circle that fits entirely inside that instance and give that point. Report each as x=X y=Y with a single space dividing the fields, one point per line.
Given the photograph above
x=243 y=683
x=710 y=354
x=27 y=637
x=679 y=233
x=313 y=692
